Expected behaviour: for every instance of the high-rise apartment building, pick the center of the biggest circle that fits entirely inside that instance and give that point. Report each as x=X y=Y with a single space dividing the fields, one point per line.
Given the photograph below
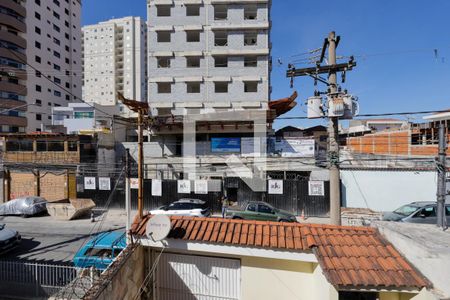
x=208 y=54
x=114 y=60
x=13 y=75
x=54 y=50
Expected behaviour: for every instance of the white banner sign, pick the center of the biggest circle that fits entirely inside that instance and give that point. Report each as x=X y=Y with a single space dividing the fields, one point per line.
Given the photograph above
x=295 y=147
x=316 y=188
x=104 y=183
x=276 y=187
x=156 y=187
x=89 y=183
x=134 y=183
x=184 y=186
x=201 y=187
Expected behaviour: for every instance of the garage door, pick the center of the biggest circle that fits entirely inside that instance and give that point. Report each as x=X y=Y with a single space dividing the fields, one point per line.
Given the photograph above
x=183 y=277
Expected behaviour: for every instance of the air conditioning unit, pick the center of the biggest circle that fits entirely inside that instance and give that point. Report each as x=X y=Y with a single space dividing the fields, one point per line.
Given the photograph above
x=315 y=110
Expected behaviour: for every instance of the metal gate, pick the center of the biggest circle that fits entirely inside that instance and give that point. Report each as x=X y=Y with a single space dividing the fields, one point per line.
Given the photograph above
x=183 y=277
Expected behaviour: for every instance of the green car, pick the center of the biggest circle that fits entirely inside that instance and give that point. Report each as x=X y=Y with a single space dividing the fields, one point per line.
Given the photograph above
x=259 y=210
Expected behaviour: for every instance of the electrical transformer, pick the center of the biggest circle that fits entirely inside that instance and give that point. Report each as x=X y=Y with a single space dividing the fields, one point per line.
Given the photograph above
x=315 y=110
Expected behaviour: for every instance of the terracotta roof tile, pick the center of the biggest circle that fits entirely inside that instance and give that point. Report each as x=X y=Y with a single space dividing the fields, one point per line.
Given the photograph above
x=356 y=257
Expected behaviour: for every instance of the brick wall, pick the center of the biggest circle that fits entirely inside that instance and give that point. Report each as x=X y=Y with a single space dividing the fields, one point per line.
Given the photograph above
x=22 y=184
x=53 y=187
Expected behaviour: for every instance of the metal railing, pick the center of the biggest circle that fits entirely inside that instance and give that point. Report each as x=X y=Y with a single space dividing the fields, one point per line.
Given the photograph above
x=33 y=279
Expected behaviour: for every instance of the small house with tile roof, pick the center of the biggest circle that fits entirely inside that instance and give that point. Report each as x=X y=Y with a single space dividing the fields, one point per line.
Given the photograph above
x=214 y=258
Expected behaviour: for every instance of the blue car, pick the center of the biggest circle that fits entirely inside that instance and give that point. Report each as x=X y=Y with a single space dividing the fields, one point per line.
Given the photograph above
x=101 y=250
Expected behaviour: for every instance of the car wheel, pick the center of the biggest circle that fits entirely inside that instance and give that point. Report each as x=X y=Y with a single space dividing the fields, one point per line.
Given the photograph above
x=284 y=221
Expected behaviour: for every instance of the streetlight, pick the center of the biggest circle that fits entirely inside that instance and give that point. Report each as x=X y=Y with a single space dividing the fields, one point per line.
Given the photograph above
x=20 y=106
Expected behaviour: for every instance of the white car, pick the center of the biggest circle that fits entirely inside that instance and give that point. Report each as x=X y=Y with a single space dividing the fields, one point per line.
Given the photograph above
x=184 y=207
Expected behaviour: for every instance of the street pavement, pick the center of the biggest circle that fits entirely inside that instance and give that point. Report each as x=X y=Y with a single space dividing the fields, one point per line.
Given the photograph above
x=49 y=240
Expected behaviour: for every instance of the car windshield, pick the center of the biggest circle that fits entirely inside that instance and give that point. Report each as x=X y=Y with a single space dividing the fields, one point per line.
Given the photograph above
x=406 y=210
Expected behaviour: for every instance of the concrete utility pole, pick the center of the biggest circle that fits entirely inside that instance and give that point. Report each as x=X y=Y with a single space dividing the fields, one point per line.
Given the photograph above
x=142 y=109
x=332 y=68
x=441 y=184
x=333 y=135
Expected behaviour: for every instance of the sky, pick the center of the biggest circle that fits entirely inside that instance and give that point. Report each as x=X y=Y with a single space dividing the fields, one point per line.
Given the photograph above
x=394 y=44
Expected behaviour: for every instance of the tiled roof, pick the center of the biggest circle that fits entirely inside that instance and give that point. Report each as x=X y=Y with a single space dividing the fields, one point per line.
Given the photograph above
x=356 y=257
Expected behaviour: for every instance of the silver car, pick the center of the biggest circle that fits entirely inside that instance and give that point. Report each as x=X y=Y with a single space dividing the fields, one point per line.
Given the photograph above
x=9 y=239
x=417 y=212
x=25 y=206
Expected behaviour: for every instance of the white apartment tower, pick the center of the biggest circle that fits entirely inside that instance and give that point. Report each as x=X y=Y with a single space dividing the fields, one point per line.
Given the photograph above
x=208 y=54
x=114 y=60
x=54 y=50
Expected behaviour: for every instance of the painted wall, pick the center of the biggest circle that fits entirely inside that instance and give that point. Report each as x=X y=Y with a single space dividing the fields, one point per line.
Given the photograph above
x=283 y=279
x=386 y=190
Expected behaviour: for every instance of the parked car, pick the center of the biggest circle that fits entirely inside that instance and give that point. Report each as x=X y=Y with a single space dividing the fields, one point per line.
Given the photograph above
x=259 y=210
x=101 y=250
x=25 y=206
x=184 y=207
x=417 y=212
x=9 y=239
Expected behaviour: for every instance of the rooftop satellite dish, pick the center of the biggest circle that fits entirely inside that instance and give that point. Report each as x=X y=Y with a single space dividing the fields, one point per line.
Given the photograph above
x=158 y=227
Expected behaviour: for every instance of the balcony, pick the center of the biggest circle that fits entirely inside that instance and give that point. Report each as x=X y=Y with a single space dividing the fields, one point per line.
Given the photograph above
x=13 y=22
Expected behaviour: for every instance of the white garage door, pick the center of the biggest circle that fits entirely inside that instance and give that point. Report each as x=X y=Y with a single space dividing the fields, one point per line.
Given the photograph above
x=189 y=277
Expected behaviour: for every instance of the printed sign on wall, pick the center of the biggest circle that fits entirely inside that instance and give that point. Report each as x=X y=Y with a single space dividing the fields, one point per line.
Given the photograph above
x=134 y=183
x=184 y=186
x=316 y=188
x=89 y=183
x=201 y=187
x=104 y=183
x=156 y=187
x=276 y=187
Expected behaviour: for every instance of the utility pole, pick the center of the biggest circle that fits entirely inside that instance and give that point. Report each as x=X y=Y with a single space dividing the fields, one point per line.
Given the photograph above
x=333 y=93
x=441 y=184
x=127 y=193
x=333 y=135
x=142 y=110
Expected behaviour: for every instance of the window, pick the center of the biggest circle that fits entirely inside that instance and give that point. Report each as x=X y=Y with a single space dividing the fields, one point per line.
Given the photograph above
x=250 y=86
x=57 y=93
x=193 y=36
x=57 y=80
x=163 y=62
x=251 y=207
x=38 y=2
x=37 y=44
x=220 y=12
x=67 y=85
x=37 y=59
x=66 y=11
x=164 y=87
x=220 y=38
x=84 y=115
x=56 y=28
x=67 y=98
x=37 y=15
x=221 y=61
x=250 y=12
x=67 y=36
x=426 y=212
x=66 y=24
x=56 y=15
x=163 y=36
x=56 y=41
x=38 y=117
x=38 y=102
x=250 y=38
x=56 y=2
x=221 y=87
x=56 y=54
x=251 y=61
x=265 y=209
x=38 y=88
x=447 y=210
x=192 y=10
x=193 y=87
x=37 y=30
x=67 y=48
x=193 y=62
x=163 y=10
x=56 y=67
